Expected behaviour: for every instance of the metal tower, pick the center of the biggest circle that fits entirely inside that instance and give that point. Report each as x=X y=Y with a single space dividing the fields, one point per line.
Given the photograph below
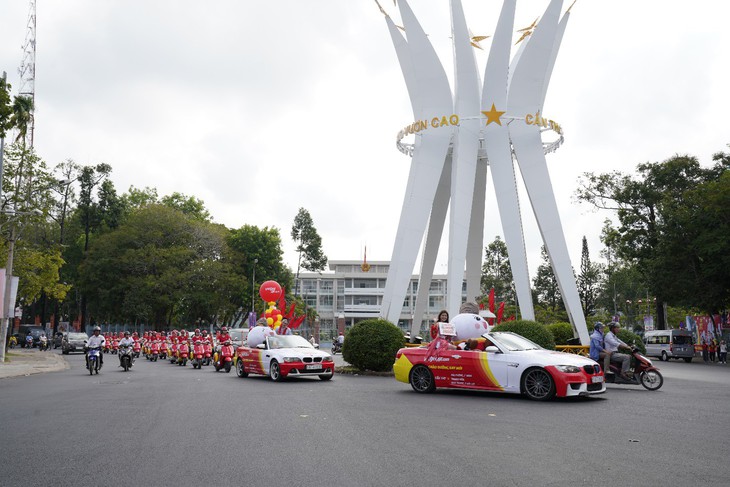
x=27 y=67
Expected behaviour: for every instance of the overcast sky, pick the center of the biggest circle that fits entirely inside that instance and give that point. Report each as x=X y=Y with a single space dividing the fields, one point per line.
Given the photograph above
x=261 y=107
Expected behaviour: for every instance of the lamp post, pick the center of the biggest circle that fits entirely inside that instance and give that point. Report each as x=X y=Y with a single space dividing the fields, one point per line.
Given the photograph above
x=253 y=285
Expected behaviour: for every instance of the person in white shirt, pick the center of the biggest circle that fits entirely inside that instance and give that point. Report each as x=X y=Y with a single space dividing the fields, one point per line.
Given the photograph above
x=96 y=341
x=612 y=346
x=127 y=340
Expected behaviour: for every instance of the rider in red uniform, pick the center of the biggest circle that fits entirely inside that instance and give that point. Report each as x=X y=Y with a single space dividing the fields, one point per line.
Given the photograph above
x=224 y=336
x=197 y=337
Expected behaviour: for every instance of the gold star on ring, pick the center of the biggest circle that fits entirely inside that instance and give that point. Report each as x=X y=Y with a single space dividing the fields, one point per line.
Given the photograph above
x=493 y=115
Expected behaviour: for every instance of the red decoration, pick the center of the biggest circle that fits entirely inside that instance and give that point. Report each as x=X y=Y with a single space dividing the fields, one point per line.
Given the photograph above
x=270 y=291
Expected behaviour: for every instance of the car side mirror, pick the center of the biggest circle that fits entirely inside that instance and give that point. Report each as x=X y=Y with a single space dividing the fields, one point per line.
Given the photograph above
x=492 y=349
x=261 y=346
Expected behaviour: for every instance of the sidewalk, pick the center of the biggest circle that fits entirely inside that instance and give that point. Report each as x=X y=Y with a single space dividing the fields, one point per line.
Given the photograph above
x=26 y=362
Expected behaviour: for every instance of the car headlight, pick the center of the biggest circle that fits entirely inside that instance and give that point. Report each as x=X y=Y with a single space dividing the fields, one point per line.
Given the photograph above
x=292 y=359
x=327 y=358
x=568 y=369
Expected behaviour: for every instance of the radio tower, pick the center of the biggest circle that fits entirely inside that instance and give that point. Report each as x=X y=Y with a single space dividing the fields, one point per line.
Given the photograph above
x=27 y=68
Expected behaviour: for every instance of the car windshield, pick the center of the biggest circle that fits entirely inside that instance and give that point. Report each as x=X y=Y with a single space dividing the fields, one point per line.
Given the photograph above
x=77 y=336
x=682 y=340
x=512 y=342
x=288 y=341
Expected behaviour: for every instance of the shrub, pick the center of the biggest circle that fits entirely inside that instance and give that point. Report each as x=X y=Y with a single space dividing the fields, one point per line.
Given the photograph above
x=631 y=339
x=531 y=330
x=372 y=345
x=562 y=332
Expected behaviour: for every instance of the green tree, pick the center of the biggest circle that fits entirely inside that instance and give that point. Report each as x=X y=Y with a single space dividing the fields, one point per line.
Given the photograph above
x=646 y=206
x=545 y=284
x=189 y=205
x=588 y=281
x=6 y=108
x=309 y=245
x=496 y=271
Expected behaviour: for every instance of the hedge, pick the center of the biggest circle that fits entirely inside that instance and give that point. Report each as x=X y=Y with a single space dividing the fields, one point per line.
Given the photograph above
x=372 y=345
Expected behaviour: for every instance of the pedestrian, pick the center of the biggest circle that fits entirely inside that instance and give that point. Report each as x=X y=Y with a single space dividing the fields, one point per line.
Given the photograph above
x=723 y=352
x=712 y=349
x=705 y=351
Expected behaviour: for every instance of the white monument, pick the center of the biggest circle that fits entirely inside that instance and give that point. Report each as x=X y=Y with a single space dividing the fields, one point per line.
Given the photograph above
x=457 y=138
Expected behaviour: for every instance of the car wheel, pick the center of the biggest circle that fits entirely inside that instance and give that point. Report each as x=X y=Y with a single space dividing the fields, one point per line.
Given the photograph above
x=651 y=379
x=665 y=357
x=538 y=384
x=240 y=371
x=275 y=371
x=326 y=376
x=422 y=380
x=688 y=359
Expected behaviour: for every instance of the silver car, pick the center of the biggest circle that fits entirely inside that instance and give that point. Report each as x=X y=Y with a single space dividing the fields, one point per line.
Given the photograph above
x=73 y=342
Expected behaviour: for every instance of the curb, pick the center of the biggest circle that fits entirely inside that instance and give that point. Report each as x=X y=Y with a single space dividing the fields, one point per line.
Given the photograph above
x=29 y=363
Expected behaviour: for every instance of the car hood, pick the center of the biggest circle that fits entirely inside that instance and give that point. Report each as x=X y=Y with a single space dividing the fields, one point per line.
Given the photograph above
x=300 y=352
x=551 y=357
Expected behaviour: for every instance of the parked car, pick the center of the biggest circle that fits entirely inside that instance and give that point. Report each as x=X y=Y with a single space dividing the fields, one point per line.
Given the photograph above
x=282 y=356
x=666 y=344
x=73 y=342
x=510 y=363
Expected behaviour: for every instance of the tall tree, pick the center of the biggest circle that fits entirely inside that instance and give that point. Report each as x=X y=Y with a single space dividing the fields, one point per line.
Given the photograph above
x=496 y=271
x=309 y=245
x=546 y=284
x=588 y=281
x=641 y=203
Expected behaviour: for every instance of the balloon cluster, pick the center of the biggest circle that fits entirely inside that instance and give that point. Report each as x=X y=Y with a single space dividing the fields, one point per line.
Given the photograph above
x=270 y=291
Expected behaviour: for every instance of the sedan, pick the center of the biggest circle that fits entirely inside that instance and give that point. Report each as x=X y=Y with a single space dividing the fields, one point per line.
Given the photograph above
x=73 y=342
x=509 y=363
x=282 y=356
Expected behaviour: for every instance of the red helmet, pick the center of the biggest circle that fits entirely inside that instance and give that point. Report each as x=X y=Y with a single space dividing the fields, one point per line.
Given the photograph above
x=205 y=332
x=197 y=331
x=224 y=329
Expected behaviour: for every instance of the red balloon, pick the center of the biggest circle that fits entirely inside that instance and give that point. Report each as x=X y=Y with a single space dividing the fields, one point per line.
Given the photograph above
x=270 y=291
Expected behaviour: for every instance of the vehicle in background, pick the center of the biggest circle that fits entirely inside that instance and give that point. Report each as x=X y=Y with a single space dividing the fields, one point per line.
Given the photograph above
x=238 y=336
x=666 y=344
x=73 y=342
x=35 y=331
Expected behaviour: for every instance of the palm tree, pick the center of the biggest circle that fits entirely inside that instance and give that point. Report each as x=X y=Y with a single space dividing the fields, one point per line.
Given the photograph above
x=22 y=117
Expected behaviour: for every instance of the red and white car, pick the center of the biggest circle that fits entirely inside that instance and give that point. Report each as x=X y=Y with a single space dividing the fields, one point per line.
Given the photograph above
x=510 y=363
x=282 y=356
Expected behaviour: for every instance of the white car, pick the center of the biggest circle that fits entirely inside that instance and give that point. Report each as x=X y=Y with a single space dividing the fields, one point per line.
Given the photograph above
x=282 y=356
x=507 y=363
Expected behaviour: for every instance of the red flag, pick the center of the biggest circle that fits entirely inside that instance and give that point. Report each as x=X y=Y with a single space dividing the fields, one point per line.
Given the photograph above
x=491 y=300
x=500 y=312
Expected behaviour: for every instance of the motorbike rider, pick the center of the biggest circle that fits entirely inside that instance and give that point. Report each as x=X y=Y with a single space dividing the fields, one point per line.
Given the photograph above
x=612 y=346
x=224 y=336
x=197 y=337
x=597 y=350
x=95 y=340
x=29 y=340
x=43 y=342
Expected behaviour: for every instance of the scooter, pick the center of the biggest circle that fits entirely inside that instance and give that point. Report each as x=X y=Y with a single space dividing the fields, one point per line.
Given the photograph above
x=642 y=371
x=115 y=346
x=173 y=353
x=224 y=358
x=336 y=347
x=136 y=349
x=13 y=342
x=182 y=354
x=197 y=355
x=163 y=350
x=154 y=351
x=94 y=361
x=208 y=351
x=126 y=355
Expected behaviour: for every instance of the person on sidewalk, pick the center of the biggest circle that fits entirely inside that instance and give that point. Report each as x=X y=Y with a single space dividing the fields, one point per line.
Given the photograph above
x=723 y=352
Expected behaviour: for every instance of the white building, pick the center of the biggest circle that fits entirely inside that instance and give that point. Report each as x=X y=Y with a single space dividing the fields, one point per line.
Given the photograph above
x=352 y=291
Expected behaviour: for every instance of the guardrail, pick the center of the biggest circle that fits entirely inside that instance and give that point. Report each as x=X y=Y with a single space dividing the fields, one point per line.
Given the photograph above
x=576 y=349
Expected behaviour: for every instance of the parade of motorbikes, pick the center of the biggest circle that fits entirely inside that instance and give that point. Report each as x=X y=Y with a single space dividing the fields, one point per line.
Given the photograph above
x=180 y=347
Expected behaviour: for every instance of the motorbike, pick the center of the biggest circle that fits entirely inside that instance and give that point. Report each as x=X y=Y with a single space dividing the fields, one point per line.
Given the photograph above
x=126 y=356
x=336 y=347
x=224 y=358
x=173 y=353
x=208 y=350
x=642 y=372
x=13 y=342
x=182 y=354
x=28 y=341
x=108 y=346
x=115 y=347
x=94 y=361
x=163 y=350
x=197 y=355
x=154 y=351
x=43 y=345
x=136 y=348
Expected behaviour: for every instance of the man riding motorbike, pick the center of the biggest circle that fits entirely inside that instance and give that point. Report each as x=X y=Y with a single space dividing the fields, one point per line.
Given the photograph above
x=127 y=341
x=613 y=344
x=95 y=340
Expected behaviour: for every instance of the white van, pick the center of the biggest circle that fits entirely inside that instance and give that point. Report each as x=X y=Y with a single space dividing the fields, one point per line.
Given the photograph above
x=667 y=344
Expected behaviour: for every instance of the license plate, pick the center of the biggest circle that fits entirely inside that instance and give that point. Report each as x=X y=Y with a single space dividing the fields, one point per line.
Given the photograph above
x=596 y=378
x=313 y=367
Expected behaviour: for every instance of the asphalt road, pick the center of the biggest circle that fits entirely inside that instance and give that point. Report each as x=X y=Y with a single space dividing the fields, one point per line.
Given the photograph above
x=162 y=425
